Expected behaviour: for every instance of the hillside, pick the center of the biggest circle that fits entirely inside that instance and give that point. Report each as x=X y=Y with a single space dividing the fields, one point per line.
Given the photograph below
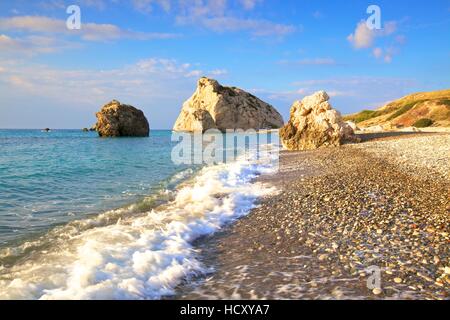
x=420 y=110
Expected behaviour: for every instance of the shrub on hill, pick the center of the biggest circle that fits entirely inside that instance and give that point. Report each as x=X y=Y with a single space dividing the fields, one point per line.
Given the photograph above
x=423 y=123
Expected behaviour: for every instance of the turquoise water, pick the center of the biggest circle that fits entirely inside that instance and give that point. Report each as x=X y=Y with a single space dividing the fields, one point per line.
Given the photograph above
x=83 y=217
x=48 y=179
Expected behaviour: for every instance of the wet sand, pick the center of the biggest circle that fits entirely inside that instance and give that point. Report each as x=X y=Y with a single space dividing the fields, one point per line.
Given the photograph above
x=338 y=212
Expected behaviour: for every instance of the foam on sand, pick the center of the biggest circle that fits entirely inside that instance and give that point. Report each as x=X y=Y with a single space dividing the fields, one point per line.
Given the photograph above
x=142 y=257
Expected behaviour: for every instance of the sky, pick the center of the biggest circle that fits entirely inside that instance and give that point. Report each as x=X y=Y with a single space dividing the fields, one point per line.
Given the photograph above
x=150 y=54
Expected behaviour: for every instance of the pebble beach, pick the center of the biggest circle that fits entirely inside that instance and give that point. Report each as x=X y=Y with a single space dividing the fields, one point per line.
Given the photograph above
x=340 y=212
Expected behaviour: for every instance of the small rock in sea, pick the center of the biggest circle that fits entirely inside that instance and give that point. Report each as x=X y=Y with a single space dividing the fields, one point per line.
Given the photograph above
x=121 y=120
x=398 y=280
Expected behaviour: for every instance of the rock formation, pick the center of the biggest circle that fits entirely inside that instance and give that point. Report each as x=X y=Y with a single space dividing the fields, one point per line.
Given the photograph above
x=314 y=124
x=121 y=120
x=217 y=107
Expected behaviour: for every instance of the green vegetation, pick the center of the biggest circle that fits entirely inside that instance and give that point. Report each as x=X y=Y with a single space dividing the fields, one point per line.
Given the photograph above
x=446 y=102
x=365 y=115
x=423 y=123
x=405 y=108
x=362 y=116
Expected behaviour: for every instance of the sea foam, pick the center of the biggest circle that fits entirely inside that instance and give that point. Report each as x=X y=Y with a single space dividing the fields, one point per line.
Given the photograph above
x=143 y=257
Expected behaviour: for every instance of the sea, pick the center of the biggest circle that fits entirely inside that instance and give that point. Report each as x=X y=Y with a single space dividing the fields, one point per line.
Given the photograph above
x=83 y=217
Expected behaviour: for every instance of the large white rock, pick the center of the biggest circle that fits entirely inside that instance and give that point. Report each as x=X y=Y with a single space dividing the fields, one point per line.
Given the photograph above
x=213 y=106
x=314 y=124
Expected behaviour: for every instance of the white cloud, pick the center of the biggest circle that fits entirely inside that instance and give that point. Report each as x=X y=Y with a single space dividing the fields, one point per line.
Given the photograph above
x=218 y=72
x=283 y=95
x=337 y=93
x=385 y=55
x=53 y=4
x=146 y=6
x=259 y=28
x=89 y=31
x=310 y=62
x=363 y=37
x=364 y=90
x=400 y=39
x=41 y=95
x=389 y=28
x=32 y=45
x=214 y=7
x=98 y=4
x=349 y=94
x=146 y=78
x=377 y=53
x=33 y=24
x=390 y=52
x=249 y=4
x=217 y=16
x=105 y=32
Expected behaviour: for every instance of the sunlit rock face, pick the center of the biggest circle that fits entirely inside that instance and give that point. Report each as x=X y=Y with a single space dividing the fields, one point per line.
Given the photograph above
x=121 y=120
x=213 y=106
x=314 y=124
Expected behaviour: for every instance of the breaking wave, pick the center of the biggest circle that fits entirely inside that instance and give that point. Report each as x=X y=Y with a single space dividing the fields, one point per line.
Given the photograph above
x=129 y=253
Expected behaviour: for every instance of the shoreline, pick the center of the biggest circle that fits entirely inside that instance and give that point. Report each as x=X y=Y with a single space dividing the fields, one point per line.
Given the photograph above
x=285 y=248
x=340 y=211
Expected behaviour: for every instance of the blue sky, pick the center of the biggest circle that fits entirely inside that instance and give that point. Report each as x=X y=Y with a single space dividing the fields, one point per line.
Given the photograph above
x=150 y=53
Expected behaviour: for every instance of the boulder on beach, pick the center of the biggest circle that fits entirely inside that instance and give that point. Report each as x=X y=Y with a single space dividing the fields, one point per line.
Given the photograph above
x=314 y=124
x=121 y=120
x=353 y=125
x=214 y=106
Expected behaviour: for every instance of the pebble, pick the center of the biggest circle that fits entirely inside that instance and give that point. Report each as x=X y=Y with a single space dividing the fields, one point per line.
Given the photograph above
x=323 y=257
x=377 y=291
x=380 y=213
